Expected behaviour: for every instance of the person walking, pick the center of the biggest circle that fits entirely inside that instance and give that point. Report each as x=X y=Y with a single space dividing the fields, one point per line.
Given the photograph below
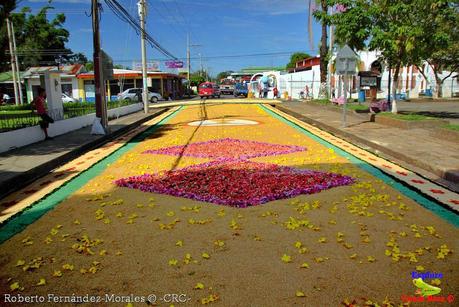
x=39 y=104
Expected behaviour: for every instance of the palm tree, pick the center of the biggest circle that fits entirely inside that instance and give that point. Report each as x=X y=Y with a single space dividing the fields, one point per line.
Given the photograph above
x=320 y=15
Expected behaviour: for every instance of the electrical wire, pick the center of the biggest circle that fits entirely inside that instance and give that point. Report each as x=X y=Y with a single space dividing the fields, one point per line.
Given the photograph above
x=124 y=15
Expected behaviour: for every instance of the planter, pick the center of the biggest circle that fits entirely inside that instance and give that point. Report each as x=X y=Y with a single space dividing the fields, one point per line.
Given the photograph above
x=25 y=136
x=409 y=124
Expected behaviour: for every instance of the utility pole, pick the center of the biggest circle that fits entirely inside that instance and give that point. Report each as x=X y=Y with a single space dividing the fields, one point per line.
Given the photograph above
x=142 y=15
x=13 y=62
x=200 y=64
x=21 y=98
x=101 y=107
x=188 y=52
x=188 y=61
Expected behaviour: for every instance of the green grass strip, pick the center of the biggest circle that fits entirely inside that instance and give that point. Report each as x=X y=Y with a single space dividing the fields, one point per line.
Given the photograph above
x=20 y=221
x=436 y=208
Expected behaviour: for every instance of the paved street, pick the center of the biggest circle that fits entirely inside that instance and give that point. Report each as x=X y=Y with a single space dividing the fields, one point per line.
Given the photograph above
x=236 y=205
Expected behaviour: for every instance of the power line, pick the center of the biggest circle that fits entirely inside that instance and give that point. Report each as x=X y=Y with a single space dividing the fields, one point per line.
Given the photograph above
x=237 y=56
x=124 y=15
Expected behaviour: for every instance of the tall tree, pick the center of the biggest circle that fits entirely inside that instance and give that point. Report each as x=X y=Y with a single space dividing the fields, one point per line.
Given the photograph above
x=39 y=41
x=6 y=8
x=388 y=26
x=297 y=56
x=323 y=16
x=438 y=43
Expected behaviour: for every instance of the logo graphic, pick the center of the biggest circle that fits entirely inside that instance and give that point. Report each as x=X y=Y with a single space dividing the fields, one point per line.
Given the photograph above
x=425 y=289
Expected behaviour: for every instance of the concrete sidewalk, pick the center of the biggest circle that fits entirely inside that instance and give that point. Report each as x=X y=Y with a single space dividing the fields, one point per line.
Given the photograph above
x=416 y=149
x=22 y=166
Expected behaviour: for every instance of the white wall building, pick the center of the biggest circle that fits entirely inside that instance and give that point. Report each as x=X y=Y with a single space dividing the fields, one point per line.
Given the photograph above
x=411 y=83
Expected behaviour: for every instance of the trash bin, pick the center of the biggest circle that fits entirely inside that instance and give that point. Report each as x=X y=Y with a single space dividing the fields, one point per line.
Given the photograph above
x=362 y=96
x=429 y=92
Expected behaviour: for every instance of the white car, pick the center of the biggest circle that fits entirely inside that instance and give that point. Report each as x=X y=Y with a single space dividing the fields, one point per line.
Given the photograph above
x=66 y=98
x=134 y=94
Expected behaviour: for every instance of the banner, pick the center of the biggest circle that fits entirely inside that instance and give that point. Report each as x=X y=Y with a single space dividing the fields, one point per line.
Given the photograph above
x=151 y=66
x=174 y=64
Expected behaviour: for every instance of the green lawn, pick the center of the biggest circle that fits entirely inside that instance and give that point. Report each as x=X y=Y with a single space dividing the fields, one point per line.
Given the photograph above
x=452 y=127
x=349 y=105
x=406 y=116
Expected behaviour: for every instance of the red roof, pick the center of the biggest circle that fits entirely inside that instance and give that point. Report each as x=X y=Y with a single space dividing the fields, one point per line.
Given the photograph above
x=306 y=64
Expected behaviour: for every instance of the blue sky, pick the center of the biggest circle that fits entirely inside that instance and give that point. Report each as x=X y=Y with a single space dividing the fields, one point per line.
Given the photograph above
x=221 y=28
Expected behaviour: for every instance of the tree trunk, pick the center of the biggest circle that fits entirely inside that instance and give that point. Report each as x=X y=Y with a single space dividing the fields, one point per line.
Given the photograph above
x=438 y=87
x=323 y=47
x=394 y=89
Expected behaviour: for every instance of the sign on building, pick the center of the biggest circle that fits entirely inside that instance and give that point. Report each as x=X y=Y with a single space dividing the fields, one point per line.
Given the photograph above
x=174 y=64
x=151 y=66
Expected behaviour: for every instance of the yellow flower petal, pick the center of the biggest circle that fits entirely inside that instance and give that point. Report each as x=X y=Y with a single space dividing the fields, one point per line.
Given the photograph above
x=286 y=258
x=20 y=262
x=14 y=286
x=57 y=274
x=205 y=255
x=300 y=294
x=304 y=266
x=199 y=286
x=173 y=262
x=179 y=243
x=41 y=282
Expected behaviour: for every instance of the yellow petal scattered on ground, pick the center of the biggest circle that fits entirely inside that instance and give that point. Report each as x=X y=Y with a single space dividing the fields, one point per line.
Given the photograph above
x=419 y=268
x=20 y=262
x=15 y=286
x=304 y=265
x=299 y=294
x=286 y=258
x=173 y=262
x=57 y=274
x=199 y=286
x=41 y=282
x=179 y=243
x=205 y=255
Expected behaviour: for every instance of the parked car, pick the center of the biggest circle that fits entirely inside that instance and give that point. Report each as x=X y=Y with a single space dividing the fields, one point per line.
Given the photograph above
x=66 y=98
x=134 y=94
x=227 y=87
x=240 y=89
x=209 y=89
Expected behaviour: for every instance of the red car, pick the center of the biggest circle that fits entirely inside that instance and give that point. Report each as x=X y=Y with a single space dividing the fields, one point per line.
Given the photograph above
x=209 y=89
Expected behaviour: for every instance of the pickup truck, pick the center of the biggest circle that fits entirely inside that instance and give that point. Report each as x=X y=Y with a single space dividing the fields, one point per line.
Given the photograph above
x=227 y=88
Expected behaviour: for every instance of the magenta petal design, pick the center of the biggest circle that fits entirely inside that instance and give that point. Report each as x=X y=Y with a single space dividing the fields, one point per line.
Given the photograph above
x=236 y=183
x=227 y=149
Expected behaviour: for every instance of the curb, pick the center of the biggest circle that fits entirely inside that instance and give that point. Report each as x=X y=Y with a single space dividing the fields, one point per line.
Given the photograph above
x=20 y=181
x=451 y=177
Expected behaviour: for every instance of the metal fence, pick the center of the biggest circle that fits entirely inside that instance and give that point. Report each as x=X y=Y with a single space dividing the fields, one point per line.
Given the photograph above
x=17 y=119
